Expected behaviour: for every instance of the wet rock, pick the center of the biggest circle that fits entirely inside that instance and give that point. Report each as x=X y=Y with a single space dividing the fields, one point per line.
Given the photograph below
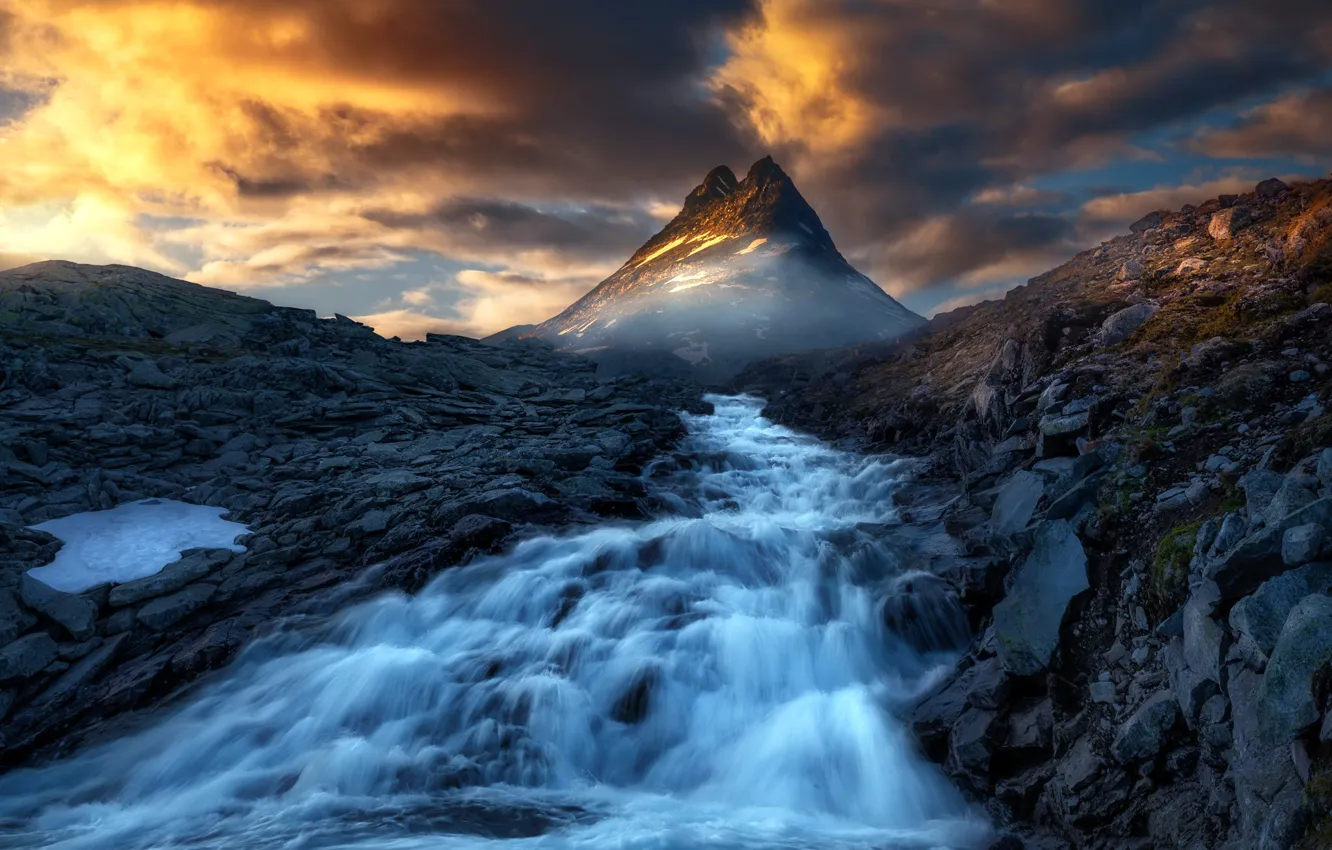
x=78 y=614
x=970 y=748
x=166 y=611
x=1031 y=729
x=1148 y=730
x=1027 y=622
x=926 y=614
x=1285 y=698
x=26 y=656
x=173 y=577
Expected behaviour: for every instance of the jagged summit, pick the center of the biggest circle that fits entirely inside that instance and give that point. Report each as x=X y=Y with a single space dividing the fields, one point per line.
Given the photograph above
x=745 y=270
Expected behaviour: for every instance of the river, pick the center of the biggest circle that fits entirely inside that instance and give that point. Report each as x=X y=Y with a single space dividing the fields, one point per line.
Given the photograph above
x=720 y=679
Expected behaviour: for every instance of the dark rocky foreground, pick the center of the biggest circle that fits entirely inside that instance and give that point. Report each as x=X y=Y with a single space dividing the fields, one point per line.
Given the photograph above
x=359 y=463
x=1143 y=440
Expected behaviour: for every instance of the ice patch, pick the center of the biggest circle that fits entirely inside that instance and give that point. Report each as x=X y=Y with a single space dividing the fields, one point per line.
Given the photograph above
x=131 y=541
x=752 y=246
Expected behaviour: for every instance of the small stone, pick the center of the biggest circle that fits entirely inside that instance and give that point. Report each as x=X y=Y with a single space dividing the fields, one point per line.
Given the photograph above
x=1103 y=692
x=1299 y=376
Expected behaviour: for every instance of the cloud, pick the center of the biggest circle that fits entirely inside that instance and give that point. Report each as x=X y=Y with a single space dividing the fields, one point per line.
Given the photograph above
x=484 y=303
x=1297 y=124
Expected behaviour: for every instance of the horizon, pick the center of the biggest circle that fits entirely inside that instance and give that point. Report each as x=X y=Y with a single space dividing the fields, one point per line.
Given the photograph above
x=470 y=168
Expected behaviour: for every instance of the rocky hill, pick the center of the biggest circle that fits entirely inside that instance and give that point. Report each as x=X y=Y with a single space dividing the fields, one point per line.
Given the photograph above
x=358 y=463
x=1142 y=438
x=746 y=270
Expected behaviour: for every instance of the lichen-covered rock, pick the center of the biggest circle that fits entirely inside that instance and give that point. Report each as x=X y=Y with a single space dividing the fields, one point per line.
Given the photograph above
x=1028 y=620
x=1301 y=544
x=1257 y=619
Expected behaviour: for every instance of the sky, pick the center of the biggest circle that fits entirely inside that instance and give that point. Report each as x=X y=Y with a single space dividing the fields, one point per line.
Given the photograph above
x=466 y=165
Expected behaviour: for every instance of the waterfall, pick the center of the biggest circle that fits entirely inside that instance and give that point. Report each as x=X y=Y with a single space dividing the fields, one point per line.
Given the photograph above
x=720 y=679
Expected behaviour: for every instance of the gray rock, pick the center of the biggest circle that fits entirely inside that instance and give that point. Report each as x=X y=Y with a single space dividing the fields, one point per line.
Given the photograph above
x=1289 y=498
x=1204 y=641
x=1285 y=698
x=1268 y=791
x=1299 y=376
x=1226 y=223
x=1131 y=270
x=78 y=614
x=970 y=747
x=1102 y=692
x=1081 y=766
x=1257 y=558
x=1016 y=502
x=172 y=577
x=1028 y=620
x=1031 y=729
x=1120 y=326
x=1148 y=730
x=1259 y=487
x=82 y=673
x=1257 y=619
x=1191 y=689
x=144 y=373
x=1301 y=544
x=1058 y=426
x=1232 y=531
x=397 y=482
x=166 y=611
x=1051 y=397
x=27 y=656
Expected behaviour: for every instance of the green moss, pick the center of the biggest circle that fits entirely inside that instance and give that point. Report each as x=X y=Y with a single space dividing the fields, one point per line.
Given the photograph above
x=1169 y=585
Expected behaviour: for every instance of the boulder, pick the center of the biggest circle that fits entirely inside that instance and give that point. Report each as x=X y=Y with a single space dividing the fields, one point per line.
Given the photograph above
x=1290 y=497
x=1285 y=698
x=1259 y=487
x=1301 y=544
x=1148 y=730
x=1270 y=188
x=14 y=618
x=1016 y=502
x=970 y=748
x=1120 y=326
x=1226 y=223
x=26 y=656
x=1204 y=641
x=1191 y=688
x=1324 y=468
x=1257 y=558
x=1027 y=622
x=1257 y=620
x=78 y=614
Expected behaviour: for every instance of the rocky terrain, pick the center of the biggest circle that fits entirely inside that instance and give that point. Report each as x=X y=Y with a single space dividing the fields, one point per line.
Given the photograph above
x=358 y=463
x=745 y=270
x=1142 y=442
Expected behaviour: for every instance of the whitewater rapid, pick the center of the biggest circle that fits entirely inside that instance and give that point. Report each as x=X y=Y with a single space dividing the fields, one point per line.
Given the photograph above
x=719 y=680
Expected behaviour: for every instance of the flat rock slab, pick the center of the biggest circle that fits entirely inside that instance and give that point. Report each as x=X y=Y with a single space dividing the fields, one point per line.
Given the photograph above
x=1028 y=620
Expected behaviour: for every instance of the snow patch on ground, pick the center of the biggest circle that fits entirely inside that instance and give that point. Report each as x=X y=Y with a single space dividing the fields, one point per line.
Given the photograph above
x=132 y=541
x=752 y=246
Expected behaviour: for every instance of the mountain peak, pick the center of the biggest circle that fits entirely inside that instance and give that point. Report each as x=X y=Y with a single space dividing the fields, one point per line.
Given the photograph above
x=766 y=170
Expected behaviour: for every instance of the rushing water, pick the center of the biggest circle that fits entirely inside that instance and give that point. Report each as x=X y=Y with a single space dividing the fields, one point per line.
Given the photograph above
x=718 y=681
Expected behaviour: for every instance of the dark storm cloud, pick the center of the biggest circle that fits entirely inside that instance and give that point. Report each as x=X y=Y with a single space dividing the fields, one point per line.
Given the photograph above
x=979 y=97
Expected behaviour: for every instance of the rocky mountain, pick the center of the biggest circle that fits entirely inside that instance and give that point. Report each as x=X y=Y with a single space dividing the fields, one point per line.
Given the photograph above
x=1143 y=451
x=746 y=270
x=358 y=462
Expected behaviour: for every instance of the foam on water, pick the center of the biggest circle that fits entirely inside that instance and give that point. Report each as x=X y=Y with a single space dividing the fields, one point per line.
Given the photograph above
x=722 y=681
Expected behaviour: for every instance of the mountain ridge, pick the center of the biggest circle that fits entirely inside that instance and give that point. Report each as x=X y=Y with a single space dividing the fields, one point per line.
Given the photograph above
x=745 y=270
